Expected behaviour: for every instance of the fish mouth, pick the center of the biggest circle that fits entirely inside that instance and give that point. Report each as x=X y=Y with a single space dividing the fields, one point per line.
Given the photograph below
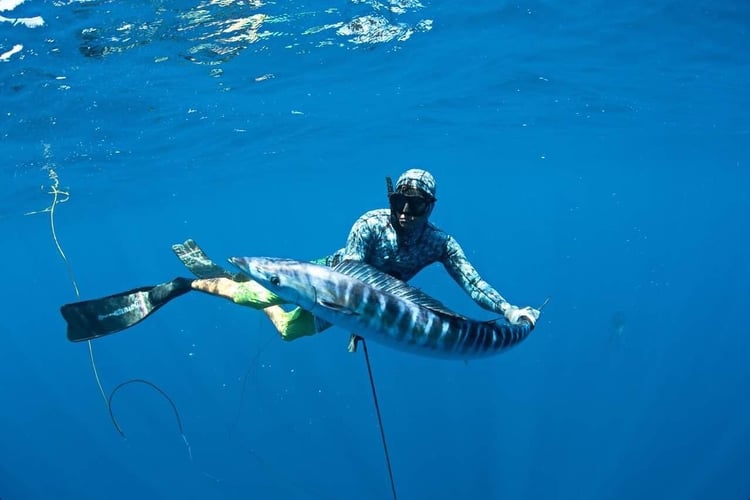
x=238 y=262
x=234 y=260
x=244 y=264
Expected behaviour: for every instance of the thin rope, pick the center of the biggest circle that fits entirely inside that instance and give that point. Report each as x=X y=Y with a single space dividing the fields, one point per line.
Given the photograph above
x=160 y=391
x=56 y=192
x=380 y=419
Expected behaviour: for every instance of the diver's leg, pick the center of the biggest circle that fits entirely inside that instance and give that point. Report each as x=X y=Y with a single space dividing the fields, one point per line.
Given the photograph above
x=295 y=323
x=216 y=280
x=290 y=325
x=246 y=293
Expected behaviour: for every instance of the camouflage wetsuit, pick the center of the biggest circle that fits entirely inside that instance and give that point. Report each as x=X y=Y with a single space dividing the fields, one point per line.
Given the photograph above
x=375 y=241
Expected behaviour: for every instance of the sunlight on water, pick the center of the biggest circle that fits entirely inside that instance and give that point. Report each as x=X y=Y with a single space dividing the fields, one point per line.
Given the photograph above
x=216 y=32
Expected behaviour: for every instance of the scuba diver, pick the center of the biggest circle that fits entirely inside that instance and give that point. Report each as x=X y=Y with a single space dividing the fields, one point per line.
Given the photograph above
x=399 y=241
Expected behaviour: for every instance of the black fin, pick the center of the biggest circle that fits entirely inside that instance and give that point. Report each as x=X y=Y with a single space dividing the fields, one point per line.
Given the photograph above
x=196 y=260
x=95 y=318
x=387 y=283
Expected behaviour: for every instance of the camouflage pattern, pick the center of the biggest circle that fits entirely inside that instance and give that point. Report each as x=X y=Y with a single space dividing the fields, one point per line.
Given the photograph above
x=374 y=240
x=416 y=179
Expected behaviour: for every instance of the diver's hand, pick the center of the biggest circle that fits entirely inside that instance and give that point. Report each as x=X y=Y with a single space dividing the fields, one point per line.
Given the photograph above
x=515 y=315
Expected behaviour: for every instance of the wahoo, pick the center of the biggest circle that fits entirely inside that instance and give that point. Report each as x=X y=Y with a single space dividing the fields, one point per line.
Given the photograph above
x=359 y=298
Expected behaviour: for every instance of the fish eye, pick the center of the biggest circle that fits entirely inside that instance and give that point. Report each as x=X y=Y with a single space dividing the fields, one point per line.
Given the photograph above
x=275 y=281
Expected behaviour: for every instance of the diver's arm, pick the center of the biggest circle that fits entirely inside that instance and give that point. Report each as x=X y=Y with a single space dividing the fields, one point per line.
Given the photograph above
x=468 y=278
x=483 y=293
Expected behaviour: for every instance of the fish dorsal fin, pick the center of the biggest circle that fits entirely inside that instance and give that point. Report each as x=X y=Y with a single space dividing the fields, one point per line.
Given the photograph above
x=387 y=283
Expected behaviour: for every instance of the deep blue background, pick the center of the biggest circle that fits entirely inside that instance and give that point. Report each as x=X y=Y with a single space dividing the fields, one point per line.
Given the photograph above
x=588 y=151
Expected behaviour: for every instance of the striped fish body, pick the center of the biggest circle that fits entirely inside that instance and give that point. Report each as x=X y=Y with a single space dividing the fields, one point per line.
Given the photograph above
x=378 y=307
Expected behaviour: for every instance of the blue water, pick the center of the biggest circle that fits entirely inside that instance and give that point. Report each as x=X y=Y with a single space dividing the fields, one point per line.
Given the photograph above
x=594 y=152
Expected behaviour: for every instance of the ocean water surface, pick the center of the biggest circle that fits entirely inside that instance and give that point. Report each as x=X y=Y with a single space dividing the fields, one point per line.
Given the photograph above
x=591 y=152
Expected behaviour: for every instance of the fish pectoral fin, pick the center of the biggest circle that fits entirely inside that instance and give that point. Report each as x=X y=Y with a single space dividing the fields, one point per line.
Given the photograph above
x=336 y=307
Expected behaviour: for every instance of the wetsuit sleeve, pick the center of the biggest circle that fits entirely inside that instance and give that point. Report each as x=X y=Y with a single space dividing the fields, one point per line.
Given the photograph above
x=461 y=270
x=357 y=243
